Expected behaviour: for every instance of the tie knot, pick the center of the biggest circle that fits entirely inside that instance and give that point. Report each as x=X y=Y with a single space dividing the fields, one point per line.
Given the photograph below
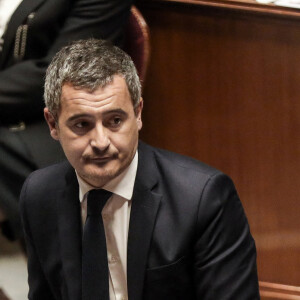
x=96 y=200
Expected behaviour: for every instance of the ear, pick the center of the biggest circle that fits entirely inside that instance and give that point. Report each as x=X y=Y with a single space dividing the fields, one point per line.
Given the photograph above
x=51 y=123
x=138 y=113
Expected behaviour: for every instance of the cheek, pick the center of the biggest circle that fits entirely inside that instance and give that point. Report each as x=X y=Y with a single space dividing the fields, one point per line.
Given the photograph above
x=74 y=147
x=120 y=144
x=128 y=142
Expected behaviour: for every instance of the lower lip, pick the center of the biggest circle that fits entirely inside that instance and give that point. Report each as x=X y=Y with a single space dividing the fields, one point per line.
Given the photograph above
x=100 y=160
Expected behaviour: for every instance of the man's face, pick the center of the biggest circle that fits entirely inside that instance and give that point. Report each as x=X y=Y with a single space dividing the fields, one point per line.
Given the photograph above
x=98 y=131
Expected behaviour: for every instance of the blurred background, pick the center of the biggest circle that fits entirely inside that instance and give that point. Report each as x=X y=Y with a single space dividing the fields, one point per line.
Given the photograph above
x=223 y=86
x=13 y=270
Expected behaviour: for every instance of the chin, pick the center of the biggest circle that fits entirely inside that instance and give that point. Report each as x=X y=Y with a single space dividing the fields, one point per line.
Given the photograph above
x=99 y=176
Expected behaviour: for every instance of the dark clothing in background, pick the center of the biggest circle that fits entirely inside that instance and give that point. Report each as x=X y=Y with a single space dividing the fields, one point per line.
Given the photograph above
x=36 y=31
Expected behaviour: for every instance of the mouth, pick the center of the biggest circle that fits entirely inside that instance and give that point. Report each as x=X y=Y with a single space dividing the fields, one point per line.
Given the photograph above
x=100 y=160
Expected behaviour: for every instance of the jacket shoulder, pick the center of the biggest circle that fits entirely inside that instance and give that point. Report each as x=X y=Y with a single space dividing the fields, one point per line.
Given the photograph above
x=177 y=161
x=47 y=180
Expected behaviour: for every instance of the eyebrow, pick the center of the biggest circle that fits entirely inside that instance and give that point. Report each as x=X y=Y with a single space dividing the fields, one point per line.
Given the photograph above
x=77 y=116
x=113 y=111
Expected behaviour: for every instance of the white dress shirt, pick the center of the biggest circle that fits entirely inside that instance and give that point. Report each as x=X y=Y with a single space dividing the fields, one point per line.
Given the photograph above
x=7 y=8
x=115 y=215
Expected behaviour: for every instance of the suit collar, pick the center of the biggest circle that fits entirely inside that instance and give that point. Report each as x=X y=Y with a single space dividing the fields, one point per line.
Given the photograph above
x=18 y=18
x=70 y=235
x=145 y=205
x=147 y=169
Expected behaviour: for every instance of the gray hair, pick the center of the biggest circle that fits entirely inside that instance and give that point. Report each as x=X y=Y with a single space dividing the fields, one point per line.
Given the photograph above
x=89 y=64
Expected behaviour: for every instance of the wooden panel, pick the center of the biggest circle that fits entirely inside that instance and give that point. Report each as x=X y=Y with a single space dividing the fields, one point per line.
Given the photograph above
x=224 y=87
x=271 y=291
x=249 y=6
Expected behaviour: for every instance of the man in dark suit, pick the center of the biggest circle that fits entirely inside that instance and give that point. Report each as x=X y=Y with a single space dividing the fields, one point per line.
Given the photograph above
x=34 y=33
x=174 y=227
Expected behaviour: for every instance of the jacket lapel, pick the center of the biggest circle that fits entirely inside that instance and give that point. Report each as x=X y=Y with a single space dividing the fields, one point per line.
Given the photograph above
x=18 y=18
x=70 y=236
x=145 y=205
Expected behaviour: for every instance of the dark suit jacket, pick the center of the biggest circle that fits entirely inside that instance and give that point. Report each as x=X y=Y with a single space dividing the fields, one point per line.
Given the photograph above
x=188 y=234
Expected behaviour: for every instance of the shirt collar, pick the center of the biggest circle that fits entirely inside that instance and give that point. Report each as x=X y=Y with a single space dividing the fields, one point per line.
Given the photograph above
x=122 y=185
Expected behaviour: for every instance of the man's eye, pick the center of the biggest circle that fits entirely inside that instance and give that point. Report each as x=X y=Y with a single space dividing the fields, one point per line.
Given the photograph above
x=82 y=124
x=117 y=121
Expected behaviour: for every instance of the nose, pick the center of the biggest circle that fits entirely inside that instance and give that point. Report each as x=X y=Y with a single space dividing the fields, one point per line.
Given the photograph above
x=99 y=138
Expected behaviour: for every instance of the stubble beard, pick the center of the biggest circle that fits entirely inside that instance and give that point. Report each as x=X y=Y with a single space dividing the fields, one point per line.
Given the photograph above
x=100 y=176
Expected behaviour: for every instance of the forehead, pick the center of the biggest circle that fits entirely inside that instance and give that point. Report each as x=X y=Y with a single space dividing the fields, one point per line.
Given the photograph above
x=115 y=92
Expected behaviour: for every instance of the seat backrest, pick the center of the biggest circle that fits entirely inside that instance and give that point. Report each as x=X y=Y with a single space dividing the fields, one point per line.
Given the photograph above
x=3 y=296
x=137 y=41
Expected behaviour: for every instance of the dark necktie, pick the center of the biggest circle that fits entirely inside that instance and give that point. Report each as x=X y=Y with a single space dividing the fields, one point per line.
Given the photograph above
x=95 y=285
